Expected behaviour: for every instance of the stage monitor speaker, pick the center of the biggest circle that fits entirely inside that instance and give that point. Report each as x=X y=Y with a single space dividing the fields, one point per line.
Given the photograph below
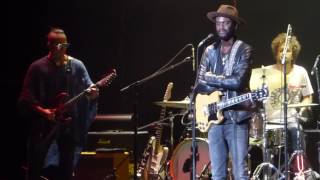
x=103 y=166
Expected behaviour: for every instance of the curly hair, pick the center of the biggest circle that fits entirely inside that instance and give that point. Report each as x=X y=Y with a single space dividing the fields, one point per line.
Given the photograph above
x=280 y=39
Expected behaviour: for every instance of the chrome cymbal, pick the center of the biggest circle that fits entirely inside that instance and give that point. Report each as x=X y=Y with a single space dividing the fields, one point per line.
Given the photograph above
x=302 y=105
x=270 y=77
x=174 y=104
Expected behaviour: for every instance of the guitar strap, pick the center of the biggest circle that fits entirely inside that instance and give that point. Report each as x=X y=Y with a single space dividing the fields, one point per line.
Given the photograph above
x=68 y=70
x=230 y=63
x=228 y=70
x=56 y=128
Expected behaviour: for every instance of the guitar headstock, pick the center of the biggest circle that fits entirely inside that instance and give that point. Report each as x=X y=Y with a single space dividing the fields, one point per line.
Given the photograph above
x=167 y=94
x=260 y=94
x=107 y=79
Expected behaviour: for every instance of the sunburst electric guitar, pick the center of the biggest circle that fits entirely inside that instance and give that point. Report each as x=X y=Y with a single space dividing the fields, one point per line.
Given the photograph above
x=209 y=108
x=159 y=154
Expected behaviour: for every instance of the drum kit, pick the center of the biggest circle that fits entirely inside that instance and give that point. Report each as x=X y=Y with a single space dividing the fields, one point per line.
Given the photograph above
x=268 y=137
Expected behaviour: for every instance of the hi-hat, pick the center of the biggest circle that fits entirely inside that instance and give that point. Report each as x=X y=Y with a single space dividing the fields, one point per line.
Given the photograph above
x=302 y=105
x=174 y=104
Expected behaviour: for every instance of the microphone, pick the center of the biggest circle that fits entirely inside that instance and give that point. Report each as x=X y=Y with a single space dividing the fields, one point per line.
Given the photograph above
x=315 y=65
x=193 y=59
x=205 y=39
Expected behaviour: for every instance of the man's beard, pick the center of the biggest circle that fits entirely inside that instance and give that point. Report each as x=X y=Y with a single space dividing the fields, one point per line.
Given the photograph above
x=228 y=36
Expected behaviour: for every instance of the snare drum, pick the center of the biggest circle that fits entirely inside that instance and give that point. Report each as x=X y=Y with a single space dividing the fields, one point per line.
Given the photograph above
x=275 y=137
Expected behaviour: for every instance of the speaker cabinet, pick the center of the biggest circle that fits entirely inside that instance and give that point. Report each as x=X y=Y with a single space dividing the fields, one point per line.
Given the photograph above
x=103 y=166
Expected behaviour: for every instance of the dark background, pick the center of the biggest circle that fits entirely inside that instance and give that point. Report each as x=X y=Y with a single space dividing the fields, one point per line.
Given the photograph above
x=137 y=37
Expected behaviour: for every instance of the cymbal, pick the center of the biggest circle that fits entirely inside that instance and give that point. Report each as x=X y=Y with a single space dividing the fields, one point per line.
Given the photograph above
x=271 y=77
x=302 y=105
x=274 y=123
x=174 y=104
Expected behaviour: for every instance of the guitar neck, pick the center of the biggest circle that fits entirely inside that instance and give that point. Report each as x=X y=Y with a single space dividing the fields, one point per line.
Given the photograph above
x=74 y=100
x=234 y=101
x=159 y=131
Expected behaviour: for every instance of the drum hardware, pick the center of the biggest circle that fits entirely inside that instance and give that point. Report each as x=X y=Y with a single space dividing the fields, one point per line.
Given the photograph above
x=268 y=77
x=273 y=172
x=299 y=105
x=174 y=104
x=298 y=163
x=160 y=121
x=266 y=170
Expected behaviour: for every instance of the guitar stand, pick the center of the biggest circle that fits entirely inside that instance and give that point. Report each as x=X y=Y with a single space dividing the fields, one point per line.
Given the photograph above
x=205 y=174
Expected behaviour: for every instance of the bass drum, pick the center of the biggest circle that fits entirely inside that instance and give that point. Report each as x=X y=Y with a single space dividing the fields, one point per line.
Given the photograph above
x=181 y=160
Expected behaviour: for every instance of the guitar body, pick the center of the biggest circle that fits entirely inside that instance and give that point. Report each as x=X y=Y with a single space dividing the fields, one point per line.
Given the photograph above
x=205 y=115
x=155 y=166
x=60 y=115
x=209 y=108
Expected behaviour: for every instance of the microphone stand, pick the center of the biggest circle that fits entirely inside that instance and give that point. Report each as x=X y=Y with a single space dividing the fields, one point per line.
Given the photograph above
x=318 y=86
x=136 y=94
x=318 y=83
x=285 y=100
x=194 y=148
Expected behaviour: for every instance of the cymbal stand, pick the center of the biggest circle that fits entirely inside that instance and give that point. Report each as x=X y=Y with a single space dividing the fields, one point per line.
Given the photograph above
x=301 y=163
x=266 y=167
x=315 y=68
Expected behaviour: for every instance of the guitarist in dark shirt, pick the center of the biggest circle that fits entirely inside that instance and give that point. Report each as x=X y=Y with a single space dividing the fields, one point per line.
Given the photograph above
x=49 y=82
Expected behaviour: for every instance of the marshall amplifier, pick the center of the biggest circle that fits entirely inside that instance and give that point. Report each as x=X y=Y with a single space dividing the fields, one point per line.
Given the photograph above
x=116 y=140
x=115 y=132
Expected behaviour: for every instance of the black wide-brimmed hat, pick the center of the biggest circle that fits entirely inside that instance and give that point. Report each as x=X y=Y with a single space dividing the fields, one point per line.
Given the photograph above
x=226 y=11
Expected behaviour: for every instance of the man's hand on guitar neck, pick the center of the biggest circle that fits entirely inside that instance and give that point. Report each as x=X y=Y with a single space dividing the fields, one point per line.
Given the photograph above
x=92 y=92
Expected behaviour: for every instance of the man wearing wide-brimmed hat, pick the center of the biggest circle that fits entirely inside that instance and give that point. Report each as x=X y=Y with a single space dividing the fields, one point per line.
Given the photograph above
x=226 y=66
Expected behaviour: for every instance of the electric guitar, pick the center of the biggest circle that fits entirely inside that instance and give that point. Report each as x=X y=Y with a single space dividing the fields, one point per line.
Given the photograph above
x=62 y=106
x=159 y=154
x=209 y=108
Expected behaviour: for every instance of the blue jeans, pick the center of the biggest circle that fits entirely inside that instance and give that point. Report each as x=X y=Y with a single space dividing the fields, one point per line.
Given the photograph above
x=293 y=137
x=225 y=139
